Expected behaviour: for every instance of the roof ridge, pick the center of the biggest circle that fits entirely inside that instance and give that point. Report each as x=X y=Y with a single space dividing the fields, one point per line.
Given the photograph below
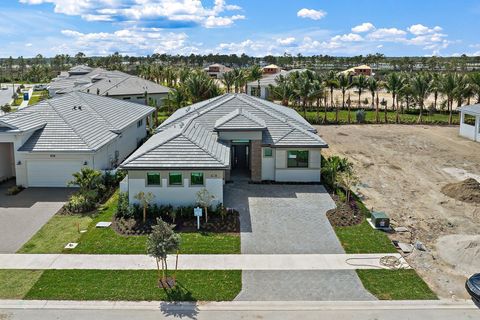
x=198 y=145
x=282 y=137
x=78 y=94
x=123 y=79
x=68 y=123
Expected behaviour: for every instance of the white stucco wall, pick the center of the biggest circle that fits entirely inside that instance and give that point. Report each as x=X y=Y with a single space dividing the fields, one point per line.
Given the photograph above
x=175 y=195
x=469 y=131
x=157 y=98
x=285 y=174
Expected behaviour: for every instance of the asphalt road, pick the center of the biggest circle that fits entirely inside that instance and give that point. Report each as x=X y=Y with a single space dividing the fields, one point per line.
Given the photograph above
x=6 y=95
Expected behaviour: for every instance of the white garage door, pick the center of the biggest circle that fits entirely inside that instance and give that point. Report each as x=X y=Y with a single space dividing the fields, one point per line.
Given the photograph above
x=51 y=173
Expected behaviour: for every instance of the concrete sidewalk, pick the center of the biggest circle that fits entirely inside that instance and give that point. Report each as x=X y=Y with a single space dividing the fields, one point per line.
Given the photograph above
x=200 y=262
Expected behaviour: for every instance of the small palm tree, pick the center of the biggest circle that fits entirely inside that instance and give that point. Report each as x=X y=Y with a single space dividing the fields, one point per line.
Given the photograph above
x=255 y=74
x=282 y=90
x=228 y=80
x=421 y=88
x=448 y=87
x=393 y=84
x=361 y=83
x=373 y=87
x=145 y=199
x=332 y=82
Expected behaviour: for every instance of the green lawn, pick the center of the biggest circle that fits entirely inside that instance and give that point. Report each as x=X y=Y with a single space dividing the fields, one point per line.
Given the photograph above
x=363 y=238
x=38 y=96
x=396 y=285
x=17 y=102
x=14 y=284
x=62 y=229
x=135 y=285
x=437 y=118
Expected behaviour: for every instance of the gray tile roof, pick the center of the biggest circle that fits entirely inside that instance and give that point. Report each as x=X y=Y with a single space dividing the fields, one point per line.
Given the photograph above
x=74 y=122
x=270 y=79
x=188 y=139
x=129 y=85
x=472 y=109
x=240 y=119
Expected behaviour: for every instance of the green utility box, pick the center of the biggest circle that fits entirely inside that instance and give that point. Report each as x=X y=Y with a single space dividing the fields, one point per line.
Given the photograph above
x=380 y=219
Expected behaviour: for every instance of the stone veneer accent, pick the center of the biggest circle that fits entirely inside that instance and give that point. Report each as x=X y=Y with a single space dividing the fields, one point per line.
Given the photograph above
x=256 y=160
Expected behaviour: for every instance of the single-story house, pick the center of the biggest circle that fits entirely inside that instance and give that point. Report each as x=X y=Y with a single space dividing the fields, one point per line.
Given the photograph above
x=44 y=144
x=227 y=138
x=356 y=71
x=265 y=82
x=271 y=69
x=470 y=122
x=115 y=84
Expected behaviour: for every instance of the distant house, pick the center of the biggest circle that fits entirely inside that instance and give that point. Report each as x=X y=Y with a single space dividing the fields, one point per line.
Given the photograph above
x=470 y=122
x=271 y=69
x=227 y=138
x=115 y=84
x=217 y=70
x=265 y=82
x=356 y=71
x=44 y=144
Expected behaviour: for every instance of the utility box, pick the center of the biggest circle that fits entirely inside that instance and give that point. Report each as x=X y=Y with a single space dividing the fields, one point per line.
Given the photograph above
x=380 y=220
x=25 y=96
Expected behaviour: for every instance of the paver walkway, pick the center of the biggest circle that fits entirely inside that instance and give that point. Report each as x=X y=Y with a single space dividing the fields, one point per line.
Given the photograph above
x=262 y=262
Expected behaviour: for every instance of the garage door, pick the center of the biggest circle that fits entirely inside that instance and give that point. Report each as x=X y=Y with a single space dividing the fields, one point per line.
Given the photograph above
x=51 y=173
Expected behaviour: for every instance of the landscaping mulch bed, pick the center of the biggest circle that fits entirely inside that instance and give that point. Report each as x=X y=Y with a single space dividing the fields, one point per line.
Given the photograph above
x=230 y=224
x=346 y=214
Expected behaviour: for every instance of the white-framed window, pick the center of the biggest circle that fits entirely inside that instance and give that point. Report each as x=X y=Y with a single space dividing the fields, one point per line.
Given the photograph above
x=297 y=158
x=153 y=179
x=175 y=179
x=267 y=152
x=197 y=179
x=139 y=123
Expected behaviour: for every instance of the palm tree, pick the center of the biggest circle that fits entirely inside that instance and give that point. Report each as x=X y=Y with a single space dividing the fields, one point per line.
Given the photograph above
x=255 y=74
x=343 y=84
x=239 y=78
x=436 y=87
x=331 y=82
x=393 y=84
x=448 y=87
x=176 y=99
x=228 y=80
x=361 y=83
x=475 y=82
x=373 y=86
x=282 y=90
x=421 y=88
x=303 y=87
x=200 y=87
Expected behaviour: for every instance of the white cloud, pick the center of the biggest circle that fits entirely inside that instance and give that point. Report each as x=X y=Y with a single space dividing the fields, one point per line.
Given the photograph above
x=387 y=34
x=128 y=41
x=147 y=11
x=286 y=41
x=420 y=29
x=311 y=14
x=364 y=27
x=348 y=37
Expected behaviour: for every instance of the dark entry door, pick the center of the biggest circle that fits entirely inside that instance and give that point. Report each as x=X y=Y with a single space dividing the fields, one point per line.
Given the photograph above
x=240 y=157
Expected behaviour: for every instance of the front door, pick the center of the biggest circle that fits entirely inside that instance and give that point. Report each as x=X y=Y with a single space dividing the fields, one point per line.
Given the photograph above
x=240 y=157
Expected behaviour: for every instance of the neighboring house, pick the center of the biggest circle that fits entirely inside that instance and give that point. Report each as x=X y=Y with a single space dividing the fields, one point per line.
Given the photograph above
x=271 y=69
x=265 y=82
x=44 y=144
x=115 y=84
x=217 y=70
x=470 y=122
x=230 y=137
x=356 y=71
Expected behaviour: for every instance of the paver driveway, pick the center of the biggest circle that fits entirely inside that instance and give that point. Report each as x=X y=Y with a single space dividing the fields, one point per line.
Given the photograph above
x=290 y=219
x=24 y=214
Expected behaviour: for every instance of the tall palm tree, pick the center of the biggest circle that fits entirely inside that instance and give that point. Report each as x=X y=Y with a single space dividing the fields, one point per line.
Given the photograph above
x=200 y=87
x=255 y=74
x=343 y=84
x=393 y=84
x=436 y=87
x=475 y=82
x=282 y=90
x=240 y=78
x=331 y=81
x=228 y=80
x=421 y=88
x=373 y=86
x=448 y=88
x=303 y=87
x=176 y=98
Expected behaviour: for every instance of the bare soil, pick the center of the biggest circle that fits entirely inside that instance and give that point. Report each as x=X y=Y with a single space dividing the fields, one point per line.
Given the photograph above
x=345 y=214
x=402 y=171
x=467 y=190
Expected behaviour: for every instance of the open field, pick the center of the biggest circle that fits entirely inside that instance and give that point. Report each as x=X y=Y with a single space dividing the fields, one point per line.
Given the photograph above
x=402 y=170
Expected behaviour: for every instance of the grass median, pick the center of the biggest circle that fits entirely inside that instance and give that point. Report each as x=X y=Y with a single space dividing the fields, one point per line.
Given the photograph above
x=135 y=285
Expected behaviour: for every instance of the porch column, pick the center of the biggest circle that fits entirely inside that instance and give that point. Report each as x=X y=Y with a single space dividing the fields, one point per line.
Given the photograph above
x=256 y=160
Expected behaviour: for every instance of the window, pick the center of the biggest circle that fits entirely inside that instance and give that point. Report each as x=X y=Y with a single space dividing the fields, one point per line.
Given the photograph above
x=139 y=123
x=297 y=159
x=175 y=179
x=140 y=98
x=469 y=119
x=267 y=152
x=125 y=98
x=196 y=179
x=153 y=179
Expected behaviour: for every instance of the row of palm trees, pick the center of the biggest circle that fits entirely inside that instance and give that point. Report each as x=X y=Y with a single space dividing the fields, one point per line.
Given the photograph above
x=304 y=89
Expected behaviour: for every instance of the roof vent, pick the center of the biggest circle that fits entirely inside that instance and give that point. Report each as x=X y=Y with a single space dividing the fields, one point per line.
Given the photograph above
x=181 y=124
x=74 y=108
x=79 y=107
x=187 y=110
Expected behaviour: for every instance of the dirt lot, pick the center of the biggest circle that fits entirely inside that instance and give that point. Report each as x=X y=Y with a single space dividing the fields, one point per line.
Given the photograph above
x=402 y=170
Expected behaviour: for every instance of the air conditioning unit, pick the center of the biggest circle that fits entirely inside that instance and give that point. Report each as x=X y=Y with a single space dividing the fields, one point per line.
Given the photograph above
x=380 y=220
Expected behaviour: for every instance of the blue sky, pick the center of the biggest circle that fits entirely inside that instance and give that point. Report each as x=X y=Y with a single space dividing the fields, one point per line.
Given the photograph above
x=254 y=27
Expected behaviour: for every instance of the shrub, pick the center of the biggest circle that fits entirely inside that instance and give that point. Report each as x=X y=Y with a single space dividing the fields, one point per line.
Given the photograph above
x=360 y=116
x=79 y=203
x=123 y=207
x=14 y=190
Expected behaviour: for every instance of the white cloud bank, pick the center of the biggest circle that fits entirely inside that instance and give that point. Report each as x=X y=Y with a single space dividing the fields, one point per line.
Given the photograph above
x=311 y=14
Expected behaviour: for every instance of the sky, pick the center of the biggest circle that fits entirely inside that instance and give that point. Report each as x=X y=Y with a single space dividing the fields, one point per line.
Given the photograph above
x=254 y=27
